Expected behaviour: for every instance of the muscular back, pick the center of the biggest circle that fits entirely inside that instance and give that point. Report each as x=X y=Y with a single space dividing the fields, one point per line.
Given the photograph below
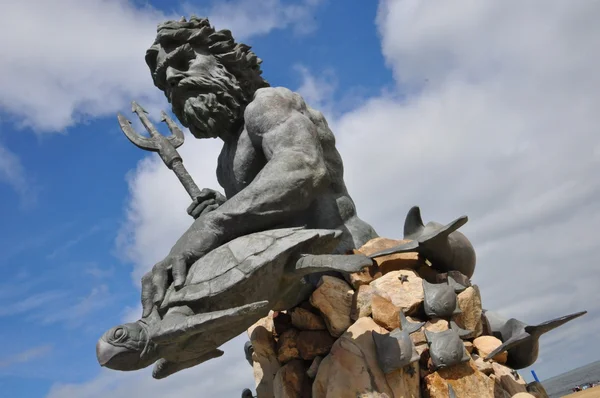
x=244 y=157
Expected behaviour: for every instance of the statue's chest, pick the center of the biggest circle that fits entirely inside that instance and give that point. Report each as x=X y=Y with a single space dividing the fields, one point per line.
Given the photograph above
x=239 y=163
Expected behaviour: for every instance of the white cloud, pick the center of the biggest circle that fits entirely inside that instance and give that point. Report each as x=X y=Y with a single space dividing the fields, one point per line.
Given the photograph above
x=499 y=123
x=226 y=376
x=13 y=173
x=494 y=117
x=26 y=356
x=60 y=68
x=251 y=17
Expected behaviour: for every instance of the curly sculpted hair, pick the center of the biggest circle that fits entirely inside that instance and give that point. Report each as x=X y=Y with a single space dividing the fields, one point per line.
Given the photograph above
x=235 y=57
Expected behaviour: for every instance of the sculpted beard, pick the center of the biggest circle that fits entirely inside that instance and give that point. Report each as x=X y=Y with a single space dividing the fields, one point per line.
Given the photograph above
x=210 y=105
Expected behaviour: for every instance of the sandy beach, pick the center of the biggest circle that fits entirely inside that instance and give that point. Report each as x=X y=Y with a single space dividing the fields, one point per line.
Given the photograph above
x=589 y=393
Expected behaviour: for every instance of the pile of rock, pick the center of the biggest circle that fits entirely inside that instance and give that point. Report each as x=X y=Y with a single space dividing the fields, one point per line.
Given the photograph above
x=325 y=347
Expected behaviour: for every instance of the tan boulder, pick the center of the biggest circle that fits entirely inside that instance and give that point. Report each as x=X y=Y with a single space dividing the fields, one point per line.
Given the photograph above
x=266 y=323
x=469 y=302
x=291 y=381
x=403 y=288
x=361 y=302
x=385 y=313
x=391 y=262
x=468 y=346
x=484 y=367
x=523 y=395
x=486 y=344
x=264 y=359
x=433 y=325
x=509 y=379
x=465 y=379
x=305 y=320
x=351 y=368
x=287 y=346
x=333 y=298
x=312 y=343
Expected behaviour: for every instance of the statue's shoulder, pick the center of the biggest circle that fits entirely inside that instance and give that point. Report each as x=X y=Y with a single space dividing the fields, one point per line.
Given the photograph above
x=273 y=105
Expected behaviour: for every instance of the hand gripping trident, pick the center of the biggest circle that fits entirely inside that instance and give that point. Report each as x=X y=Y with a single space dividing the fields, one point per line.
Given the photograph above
x=165 y=147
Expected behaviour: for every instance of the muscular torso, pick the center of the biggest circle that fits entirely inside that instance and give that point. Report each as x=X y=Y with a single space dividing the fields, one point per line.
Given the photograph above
x=241 y=160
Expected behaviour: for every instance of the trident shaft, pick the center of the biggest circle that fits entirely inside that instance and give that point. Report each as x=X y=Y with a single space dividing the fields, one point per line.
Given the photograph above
x=164 y=146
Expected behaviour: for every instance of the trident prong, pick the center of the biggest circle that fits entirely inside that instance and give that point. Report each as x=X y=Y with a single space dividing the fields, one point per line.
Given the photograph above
x=164 y=146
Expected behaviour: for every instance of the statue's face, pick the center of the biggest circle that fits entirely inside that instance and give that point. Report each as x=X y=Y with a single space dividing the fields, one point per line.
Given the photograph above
x=125 y=347
x=204 y=96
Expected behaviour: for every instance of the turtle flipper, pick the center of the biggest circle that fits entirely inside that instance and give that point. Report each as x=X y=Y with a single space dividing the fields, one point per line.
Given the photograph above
x=310 y=263
x=512 y=342
x=164 y=368
x=172 y=330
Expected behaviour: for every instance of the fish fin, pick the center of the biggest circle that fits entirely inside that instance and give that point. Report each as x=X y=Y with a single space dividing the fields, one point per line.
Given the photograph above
x=413 y=224
x=451 y=393
x=409 y=327
x=411 y=246
x=444 y=231
x=346 y=263
x=512 y=342
x=552 y=324
x=164 y=368
x=457 y=310
x=462 y=333
x=458 y=281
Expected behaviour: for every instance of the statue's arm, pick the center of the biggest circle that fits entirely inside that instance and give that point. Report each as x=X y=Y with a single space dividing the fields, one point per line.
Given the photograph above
x=294 y=175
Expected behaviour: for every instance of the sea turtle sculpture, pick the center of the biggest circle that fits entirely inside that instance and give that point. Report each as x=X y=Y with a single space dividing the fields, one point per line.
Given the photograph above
x=446 y=248
x=225 y=292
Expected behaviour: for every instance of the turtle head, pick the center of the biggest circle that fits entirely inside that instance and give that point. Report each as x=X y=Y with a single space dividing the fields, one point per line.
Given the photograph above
x=126 y=347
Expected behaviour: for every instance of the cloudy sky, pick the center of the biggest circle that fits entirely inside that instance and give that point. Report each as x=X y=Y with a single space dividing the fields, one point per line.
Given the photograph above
x=483 y=108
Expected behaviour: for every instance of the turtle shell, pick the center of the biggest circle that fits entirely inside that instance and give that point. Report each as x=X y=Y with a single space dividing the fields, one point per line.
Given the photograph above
x=248 y=269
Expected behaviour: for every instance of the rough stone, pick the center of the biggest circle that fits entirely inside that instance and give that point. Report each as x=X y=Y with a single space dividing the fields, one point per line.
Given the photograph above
x=486 y=344
x=291 y=381
x=333 y=298
x=433 y=325
x=523 y=395
x=361 y=302
x=407 y=295
x=264 y=358
x=484 y=367
x=468 y=346
x=314 y=367
x=469 y=301
x=507 y=380
x=391 y=262
x=303 y=319
x=363 y=277
x=351 y=369
x=385 y=313
x=287 y=346
x=464 y=378
x=282 y=321
x=313 y=343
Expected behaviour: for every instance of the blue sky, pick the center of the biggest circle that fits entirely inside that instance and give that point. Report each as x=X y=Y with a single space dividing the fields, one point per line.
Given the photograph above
x=487 y=110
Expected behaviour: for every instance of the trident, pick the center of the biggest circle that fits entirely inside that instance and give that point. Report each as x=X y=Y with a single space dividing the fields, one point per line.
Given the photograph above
x=164 y=146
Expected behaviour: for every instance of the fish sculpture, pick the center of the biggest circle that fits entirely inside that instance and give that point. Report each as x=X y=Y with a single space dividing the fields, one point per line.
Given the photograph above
x=520 y=340
x=446 y=348
x=442 y=245
x=396 y=349
x=440 y=300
